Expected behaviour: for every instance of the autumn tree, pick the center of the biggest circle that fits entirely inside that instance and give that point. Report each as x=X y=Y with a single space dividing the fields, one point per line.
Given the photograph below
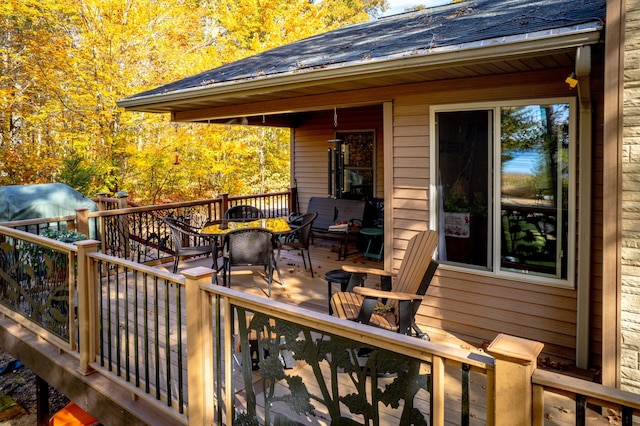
x=66 y=63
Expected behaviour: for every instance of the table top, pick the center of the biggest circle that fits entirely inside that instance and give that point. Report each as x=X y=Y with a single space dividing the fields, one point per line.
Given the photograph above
x=277 y=225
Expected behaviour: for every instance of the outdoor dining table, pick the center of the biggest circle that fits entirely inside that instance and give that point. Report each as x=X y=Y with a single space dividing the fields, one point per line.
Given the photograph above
x=215 y=229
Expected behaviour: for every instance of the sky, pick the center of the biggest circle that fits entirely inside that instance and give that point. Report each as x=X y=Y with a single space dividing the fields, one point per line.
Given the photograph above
x=398 y=6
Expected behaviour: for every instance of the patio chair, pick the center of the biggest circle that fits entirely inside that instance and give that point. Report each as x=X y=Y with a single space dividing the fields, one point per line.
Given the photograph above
x=187 y=241
x=395 y=309
x=302 y=239
x=248 y=247
x=243 y=212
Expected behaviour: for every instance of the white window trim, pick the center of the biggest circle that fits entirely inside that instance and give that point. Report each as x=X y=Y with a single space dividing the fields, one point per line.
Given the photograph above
x=572 y=254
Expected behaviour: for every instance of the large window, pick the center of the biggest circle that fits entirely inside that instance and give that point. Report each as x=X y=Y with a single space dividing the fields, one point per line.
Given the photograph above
x=505 y=188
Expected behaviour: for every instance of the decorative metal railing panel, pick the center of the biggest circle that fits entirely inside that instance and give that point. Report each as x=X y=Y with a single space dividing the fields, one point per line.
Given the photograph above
x=293 y=367
x=36 y=282
x=142 y=328
x=373 y=379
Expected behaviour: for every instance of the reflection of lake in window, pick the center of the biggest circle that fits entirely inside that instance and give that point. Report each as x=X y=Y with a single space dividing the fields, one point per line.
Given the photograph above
x=524 y=229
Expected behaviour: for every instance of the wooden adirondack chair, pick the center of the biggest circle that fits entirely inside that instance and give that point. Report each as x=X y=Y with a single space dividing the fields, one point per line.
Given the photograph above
x=395 y=309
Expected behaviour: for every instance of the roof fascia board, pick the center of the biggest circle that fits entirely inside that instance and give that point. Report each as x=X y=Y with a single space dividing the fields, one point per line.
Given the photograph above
x=438 y=92
x=483 y=52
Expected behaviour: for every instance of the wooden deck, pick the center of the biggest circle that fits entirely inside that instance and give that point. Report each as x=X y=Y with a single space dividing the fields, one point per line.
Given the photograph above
x=301 y=290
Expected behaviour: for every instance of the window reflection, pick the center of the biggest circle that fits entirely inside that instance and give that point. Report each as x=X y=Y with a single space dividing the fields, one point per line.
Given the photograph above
x=523 y=228
x=534 y=188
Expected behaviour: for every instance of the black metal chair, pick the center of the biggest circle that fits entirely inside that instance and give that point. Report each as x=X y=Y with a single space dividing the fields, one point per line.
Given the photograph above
x=302 y=239
x=187 y=241
x=243 y=212
x=248 y=247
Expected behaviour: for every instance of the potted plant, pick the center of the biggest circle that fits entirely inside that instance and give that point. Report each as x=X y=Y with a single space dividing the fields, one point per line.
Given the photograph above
x=457 y=215
x=463 y=215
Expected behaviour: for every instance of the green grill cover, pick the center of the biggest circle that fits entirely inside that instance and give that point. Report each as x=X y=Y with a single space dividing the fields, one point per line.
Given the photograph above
x=19 y=202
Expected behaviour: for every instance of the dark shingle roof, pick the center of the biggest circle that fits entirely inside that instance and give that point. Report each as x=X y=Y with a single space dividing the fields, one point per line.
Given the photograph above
x=455 y=26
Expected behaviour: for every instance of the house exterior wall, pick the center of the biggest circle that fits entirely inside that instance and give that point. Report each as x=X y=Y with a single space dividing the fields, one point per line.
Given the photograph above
x=472 y=305
x=475 y=306
x=630 y=267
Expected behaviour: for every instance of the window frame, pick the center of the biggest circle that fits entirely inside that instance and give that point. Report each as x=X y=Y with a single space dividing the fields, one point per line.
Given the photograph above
x=494 y=207
x=340 y=134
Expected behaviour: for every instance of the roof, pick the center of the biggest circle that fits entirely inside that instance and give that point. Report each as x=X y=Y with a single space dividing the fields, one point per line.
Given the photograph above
x=399 y=44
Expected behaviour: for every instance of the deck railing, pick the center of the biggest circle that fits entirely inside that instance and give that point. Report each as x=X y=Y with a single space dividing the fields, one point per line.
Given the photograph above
x=129 y=322
x=37 y=281
x=277 y=204
x=138 y=234
x=36 y=226
x=350 y=373
x=617 y=405
x=141 y=323
x=123 y=320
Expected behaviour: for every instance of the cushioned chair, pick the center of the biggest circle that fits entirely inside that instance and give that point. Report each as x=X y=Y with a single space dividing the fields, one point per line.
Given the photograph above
x=301 y=240
x=395 y=309
x=248 y=247
x=187 y=241
x=243 y=212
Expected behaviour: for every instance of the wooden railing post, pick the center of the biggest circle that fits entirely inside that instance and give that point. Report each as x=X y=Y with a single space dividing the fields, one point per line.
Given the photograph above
x=515 y=362
x=199 y=346
x=123 y=200
x=87 y=306
x=101 y=204
x=224 y=205
x=82 y=220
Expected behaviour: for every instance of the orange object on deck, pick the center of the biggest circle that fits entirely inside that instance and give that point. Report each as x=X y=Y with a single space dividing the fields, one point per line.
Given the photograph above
x=72 y=415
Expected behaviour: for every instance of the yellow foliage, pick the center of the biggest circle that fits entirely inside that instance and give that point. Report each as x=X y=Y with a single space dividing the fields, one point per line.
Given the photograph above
x=67 y=62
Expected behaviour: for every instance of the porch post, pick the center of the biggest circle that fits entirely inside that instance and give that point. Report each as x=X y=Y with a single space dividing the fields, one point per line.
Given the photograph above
x=516 y=360
x=86 y=306
x=199 y=346
x=293 y=199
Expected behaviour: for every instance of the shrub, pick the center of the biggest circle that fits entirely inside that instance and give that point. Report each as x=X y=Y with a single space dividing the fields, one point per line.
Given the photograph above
x=64 y=236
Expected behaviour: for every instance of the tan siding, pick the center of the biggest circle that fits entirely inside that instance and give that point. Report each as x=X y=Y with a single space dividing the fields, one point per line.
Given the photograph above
x=471 y=305
x=468 y=301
